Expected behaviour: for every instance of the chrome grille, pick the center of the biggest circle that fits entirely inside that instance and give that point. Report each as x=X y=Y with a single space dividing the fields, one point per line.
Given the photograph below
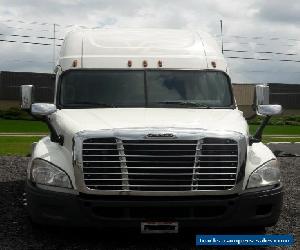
x=216 y=166
x=160 y=165
x=101 y=164
x=208 y=164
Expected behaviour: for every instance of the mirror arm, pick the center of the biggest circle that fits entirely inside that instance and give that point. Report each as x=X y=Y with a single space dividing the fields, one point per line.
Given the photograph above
x=258 y=134
x=54 y=136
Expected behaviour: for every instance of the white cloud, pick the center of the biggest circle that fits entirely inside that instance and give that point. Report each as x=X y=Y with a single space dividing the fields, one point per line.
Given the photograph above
x=251 y=18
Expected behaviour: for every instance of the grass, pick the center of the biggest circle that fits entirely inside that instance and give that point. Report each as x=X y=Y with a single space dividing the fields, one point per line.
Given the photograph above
x=21 y=126
x=278 y=129
x=293 y=120
x=13 y=145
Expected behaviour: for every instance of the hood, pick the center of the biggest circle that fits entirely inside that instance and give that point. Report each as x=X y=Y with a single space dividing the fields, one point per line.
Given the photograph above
x=71 y=121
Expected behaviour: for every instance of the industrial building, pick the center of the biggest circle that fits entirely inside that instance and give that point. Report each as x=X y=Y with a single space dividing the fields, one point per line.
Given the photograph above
x=288 y=95
x=10 y=83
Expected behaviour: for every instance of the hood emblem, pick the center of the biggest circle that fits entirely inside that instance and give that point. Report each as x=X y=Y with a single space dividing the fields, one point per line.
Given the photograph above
x=160 y=135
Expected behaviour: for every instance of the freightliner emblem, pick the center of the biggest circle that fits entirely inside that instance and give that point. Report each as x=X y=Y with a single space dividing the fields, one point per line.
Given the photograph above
x=161 y=135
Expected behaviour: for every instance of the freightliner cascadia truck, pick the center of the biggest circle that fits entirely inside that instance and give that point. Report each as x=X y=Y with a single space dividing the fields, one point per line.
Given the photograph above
x=145 y=133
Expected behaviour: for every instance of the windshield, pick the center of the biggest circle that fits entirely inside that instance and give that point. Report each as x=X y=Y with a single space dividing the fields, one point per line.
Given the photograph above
x=149 y=88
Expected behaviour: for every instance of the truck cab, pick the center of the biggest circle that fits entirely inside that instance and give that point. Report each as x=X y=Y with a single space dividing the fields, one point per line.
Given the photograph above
x=145 y=132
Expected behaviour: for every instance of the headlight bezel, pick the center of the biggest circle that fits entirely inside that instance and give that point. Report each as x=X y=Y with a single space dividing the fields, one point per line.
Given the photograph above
x=36 y=164
x=260 y=174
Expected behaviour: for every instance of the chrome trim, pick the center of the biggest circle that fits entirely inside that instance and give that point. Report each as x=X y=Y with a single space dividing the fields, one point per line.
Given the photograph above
x=124 y=171
x=269 y=110
x=26 y=96
x=139 y=134
x=161 y=136
x=197 y=152
x=43 y=109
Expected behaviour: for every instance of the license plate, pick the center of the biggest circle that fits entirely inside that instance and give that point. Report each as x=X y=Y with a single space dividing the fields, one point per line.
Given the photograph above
x=159 y=227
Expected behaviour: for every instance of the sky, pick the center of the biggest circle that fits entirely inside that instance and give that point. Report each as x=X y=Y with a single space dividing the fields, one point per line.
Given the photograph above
x=266 y=30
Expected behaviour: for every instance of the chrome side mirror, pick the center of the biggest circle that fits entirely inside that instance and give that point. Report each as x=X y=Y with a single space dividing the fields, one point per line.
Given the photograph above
x=263 y=108
x=269 y=110
x=41 y=112
x=42 y=109
x=262 y=94
x=26 y=96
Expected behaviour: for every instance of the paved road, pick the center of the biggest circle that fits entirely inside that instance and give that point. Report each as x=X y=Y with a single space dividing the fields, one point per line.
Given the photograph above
x=17 y=233
x=285 y=149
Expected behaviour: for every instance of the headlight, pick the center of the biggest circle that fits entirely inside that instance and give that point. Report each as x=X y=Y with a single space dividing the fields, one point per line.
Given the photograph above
x=268 y=174
x=43 y=172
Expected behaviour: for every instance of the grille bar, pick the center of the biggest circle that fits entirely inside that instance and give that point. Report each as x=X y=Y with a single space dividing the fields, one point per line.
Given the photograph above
x=159 y=144
x=161 y=168
x=162 y=180
x=219 y=144
x=167 y=156
x=156 y=161
x=103 y=185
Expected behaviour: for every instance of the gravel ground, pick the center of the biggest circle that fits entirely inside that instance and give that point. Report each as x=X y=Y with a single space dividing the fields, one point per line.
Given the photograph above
x=16 y=232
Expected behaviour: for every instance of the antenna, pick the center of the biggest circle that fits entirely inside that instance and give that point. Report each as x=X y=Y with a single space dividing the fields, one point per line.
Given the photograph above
x=54 y=45
x=221 y=26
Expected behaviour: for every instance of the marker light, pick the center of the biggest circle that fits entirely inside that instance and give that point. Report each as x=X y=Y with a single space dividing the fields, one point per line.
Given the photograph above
x=214 y=64
x=74 y=64
x=145 y=63
x=159 y=63
x=129 y=63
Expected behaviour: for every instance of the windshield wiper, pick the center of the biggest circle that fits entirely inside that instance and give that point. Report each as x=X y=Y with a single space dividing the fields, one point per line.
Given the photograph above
x=186 y=103
x=92 y=104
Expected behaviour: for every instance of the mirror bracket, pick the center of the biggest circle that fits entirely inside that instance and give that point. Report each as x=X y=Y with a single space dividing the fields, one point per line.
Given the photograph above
x=54 y=136
x=41 y=111
x=257 y=137
x=263 y=108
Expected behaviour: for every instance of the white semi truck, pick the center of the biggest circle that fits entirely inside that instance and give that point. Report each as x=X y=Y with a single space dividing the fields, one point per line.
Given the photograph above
x=145 y=132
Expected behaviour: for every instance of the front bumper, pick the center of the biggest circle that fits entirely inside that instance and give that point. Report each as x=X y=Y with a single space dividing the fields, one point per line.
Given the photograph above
x=252 y=209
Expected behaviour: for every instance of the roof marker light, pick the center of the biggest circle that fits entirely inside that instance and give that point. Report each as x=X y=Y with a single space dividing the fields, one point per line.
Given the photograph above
x=214 y=64
x=129 y=63
x=145 y=63
x=74 y=64
x=159 y=63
